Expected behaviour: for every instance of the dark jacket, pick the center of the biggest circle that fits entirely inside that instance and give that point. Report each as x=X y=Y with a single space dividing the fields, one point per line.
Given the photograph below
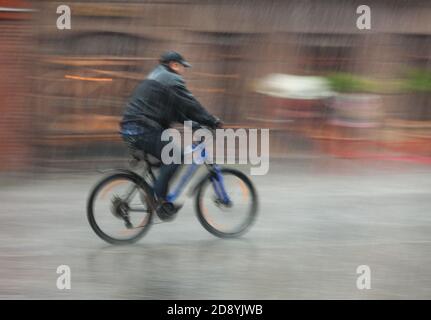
x=162 y=99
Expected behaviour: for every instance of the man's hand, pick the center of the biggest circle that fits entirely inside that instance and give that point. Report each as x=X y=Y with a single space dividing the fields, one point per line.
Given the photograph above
x=218 y=124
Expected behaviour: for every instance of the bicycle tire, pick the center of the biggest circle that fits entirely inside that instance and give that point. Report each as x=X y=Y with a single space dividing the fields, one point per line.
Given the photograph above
x=251 y=215
x=128 y=175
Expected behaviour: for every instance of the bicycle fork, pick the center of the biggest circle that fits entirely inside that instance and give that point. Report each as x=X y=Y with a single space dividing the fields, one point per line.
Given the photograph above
x=218 y=186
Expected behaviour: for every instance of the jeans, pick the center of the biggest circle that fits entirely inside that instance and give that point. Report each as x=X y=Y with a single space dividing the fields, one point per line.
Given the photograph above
x=150 y=142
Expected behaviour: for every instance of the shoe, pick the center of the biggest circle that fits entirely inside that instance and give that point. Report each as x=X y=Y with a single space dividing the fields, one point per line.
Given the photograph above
x=167 y=210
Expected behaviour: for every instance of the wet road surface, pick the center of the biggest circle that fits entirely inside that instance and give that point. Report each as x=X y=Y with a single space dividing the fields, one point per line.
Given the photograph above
x=319 y=220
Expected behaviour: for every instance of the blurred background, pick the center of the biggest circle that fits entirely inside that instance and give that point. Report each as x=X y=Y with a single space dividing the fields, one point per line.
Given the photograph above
x=349 y=113
x=301 y=68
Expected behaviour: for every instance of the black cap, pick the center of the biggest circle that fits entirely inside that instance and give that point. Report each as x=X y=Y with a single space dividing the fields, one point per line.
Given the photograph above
x=173 y=56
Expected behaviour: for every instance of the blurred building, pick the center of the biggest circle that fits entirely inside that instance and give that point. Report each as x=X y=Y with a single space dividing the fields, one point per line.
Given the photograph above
x=15 y=46
x=66 y=89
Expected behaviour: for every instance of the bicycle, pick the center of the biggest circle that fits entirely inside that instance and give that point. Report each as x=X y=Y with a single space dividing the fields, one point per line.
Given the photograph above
x=137 y=218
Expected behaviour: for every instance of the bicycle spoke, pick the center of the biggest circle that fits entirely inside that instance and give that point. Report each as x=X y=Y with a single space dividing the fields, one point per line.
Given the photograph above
x=130 y=192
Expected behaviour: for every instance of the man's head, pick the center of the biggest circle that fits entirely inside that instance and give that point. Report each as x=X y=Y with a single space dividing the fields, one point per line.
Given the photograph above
x=174 y=61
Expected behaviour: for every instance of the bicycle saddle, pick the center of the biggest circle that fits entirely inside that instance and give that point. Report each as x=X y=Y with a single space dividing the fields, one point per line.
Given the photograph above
x=151 y=160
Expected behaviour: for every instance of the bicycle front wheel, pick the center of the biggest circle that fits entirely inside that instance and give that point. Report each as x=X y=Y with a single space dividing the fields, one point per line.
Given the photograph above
x=227 y=219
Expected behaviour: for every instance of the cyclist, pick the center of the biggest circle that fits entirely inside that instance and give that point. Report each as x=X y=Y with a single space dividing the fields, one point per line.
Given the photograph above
x=156 y=103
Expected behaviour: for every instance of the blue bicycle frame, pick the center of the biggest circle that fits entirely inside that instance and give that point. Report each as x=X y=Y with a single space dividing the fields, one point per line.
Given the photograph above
x=217 y=180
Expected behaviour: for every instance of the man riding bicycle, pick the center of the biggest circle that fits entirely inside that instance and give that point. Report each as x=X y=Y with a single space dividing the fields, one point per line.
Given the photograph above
x=156 y=103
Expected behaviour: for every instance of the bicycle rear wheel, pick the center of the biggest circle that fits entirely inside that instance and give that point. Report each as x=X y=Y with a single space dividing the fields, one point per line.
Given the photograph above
x=119 y=208
x=227 y=220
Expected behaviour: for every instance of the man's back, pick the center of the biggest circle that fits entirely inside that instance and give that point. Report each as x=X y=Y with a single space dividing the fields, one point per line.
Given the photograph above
x=161 y=99
x=149 y=106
